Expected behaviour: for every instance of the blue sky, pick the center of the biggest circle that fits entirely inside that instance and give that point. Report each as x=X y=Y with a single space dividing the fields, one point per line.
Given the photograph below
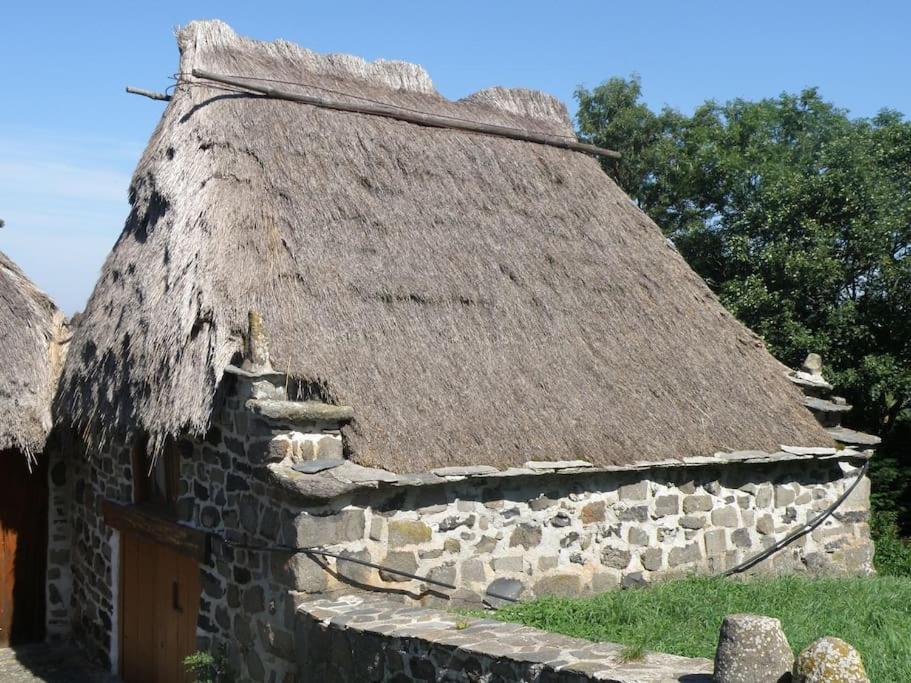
x=70 y=136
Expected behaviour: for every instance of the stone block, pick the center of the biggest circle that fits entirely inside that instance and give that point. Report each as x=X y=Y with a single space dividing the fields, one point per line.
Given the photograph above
x=353 y=571
x=329 y=446
x=667 y=505
x=405 y=532
x=859 y=498
x=691 y=552
x=651 y=559
x=829 y=660
x=473 y=571
x=715 y=542
x=725 y=516
x=637 y=536
x=692 y=521
x=377 y=524
x=560 y=520
x=525 y=535
x=541 y=503
x=604 y=581
x=547 y=562
x=697 y=503
x=752 y=649
x=567 y=585
x=299 y=572
x=618 y=558
x=401 y=560
x=633 y=580
x=765 y=525
x=764 y=496
x=741 y=538
x=444 y=572
x=485 y=544
x=503 y=591
x=637 y=491
x=637 y=513
x=508 y=564
x=312 y=530
x=254 y=600
x=593 y=512
x=455 y=521
x=784 y=496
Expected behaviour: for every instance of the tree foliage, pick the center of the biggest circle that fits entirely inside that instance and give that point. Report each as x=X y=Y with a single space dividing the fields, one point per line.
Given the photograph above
x=799 y=217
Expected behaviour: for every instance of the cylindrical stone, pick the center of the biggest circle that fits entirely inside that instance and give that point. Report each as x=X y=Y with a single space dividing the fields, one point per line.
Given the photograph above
x=752 y=649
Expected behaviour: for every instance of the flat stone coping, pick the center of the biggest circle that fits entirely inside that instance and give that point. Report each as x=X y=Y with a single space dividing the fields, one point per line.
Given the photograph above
x=300 y=411
x=501 y=640
x=853 y=437
x=821 y=405
x=805 y=379
x=347 y=476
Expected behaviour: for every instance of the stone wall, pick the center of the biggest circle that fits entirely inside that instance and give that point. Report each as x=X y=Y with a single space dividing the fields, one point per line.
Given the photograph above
x=59 y=544
x=106 y=475
x=368 y=639
x=539 y=530
x=576 y=534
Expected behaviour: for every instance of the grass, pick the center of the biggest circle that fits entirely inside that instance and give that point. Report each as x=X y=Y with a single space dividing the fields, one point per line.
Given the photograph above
x=683 y=617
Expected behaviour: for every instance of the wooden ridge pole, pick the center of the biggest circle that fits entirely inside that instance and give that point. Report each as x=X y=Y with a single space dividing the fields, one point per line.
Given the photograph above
x=420 y=119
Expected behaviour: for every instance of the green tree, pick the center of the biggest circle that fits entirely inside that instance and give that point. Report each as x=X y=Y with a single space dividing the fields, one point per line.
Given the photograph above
x=800 y=218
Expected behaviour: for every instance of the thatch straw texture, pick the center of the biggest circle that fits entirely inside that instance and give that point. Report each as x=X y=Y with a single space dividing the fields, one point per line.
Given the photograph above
x=474 y=299
x=31 y=357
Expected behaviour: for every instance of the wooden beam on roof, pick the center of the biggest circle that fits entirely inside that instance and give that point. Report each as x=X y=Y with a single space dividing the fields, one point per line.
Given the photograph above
x=419 y=118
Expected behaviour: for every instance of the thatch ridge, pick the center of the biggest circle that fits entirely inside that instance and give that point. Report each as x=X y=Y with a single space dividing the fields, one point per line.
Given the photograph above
x=474 y=299
x=31 y=337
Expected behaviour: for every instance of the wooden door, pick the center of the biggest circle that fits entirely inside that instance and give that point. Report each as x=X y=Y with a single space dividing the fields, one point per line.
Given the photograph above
x=160 y=593
x=23 y=548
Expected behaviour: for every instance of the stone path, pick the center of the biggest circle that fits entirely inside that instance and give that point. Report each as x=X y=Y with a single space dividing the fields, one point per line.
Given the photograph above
x=49 y=663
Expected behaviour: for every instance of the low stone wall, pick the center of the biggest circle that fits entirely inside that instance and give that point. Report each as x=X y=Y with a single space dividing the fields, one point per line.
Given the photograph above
x=369 y=639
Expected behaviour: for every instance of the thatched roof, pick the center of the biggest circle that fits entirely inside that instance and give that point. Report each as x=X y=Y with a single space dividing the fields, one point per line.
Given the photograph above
x=31 y=357
x=475 y=299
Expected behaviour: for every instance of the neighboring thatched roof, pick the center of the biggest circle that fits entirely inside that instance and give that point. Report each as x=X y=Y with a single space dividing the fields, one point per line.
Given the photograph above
x=475 y=299
x=31 y=357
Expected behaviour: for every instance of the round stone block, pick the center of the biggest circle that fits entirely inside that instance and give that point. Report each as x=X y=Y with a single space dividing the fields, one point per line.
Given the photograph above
x=829 y=660
x=752 y=649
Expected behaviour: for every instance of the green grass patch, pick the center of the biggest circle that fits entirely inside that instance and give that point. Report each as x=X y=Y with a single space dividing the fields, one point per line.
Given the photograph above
x=683 y=617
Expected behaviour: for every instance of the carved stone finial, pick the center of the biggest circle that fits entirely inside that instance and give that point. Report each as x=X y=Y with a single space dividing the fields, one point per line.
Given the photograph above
x=257 y=344
x=812 y=365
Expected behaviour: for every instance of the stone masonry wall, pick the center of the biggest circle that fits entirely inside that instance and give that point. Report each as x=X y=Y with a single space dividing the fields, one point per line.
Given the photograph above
x=576 y=534
x=105 y=475
x=59 y=544
x=525 y=535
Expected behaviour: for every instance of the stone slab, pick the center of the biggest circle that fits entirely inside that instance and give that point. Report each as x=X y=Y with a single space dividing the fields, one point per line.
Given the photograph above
x=538 y=465
x=318 y=465
x=852 y=437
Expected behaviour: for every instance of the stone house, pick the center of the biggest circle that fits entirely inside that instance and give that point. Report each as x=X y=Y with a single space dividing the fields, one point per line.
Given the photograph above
x=32 y=339
x=336 y=351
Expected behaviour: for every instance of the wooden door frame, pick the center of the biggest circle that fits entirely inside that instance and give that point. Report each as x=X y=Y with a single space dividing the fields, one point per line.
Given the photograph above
x=153 y=525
